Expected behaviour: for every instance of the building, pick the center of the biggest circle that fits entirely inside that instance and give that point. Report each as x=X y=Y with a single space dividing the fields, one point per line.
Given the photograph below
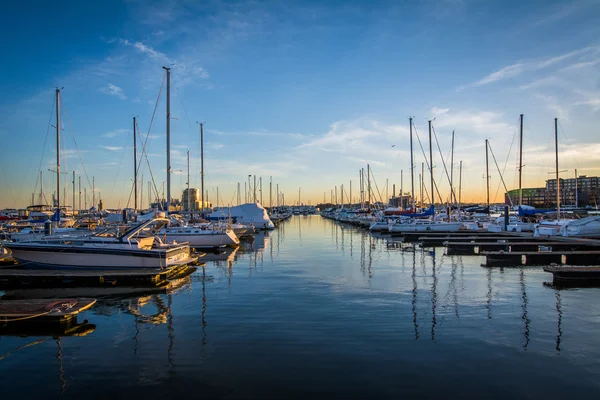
x=580 y=192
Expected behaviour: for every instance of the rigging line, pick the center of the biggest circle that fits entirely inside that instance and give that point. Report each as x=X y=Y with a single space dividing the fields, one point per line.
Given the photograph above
x=567 y=142
x=148 y=135
x=428 y=166
x=45 y=140
x=501 y=178
x=376 y=187
x=453 y=197
x=77 y=149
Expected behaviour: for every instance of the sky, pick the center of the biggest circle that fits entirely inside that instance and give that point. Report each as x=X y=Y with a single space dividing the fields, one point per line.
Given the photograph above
x=303 y=93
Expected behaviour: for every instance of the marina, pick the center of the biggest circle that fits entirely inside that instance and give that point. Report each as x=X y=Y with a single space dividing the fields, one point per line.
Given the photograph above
x=300 y=302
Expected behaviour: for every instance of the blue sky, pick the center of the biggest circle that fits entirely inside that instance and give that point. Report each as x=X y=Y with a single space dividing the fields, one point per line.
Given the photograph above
x=306 y=92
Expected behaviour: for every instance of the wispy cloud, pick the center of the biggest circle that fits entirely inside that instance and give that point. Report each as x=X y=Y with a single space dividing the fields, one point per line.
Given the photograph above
x=114 y=90
x=117 y=132
x=112 y=148
x=521 y=67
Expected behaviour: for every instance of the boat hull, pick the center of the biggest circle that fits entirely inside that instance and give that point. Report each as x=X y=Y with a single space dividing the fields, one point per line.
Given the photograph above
x=434 y=227
x=53 y=257
x=205 y=240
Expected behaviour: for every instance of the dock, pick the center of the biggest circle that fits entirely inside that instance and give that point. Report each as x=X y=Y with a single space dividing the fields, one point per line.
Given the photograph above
x=520 y=258
x=469 y=248
x=574 y=276
x=142 y=277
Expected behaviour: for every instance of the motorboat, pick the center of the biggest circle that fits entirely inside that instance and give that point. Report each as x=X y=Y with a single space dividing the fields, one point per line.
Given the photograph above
x=425 y=225
x=200 y=237
x=588 y=226
x=135 y=247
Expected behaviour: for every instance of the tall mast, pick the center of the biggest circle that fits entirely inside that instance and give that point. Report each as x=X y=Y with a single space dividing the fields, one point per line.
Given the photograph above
x=350 y=194
x=520 y=159
x=254 y=189
x=188 y=180
x=270 y=192
x=452 y=195
x=369 y=184
x=459 y=183
x=260 y=189
x=422 y=179
x=202 y=163
x=576 y=190
x=557 y=180
x=135 y=190
x=487 y=175
x=73 y=194
x=431 y=164
x=168 y=139
x=58 y=147
x=412 y=166
x=80 y=193
x=94 y=191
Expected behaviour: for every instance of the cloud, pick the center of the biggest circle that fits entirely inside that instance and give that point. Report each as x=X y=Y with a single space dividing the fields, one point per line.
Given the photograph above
x=504 y=73
x=149 y=51
x=112 y=148
x=117 y=132
x=114 y=90
x=521 y=67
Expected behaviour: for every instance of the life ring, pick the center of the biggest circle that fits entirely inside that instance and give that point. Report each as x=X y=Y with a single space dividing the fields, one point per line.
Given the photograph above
x=428 y=228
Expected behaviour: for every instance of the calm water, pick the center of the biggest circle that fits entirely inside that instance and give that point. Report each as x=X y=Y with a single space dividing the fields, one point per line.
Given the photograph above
x=316 y=309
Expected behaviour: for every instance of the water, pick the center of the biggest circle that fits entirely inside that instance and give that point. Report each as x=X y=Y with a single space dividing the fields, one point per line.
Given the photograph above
x=320 y=310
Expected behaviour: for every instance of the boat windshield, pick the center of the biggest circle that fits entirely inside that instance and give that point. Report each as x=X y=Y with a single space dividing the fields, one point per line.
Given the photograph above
x=112 y=232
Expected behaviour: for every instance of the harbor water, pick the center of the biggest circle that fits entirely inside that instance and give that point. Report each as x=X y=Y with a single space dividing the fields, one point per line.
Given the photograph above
x=317 y=309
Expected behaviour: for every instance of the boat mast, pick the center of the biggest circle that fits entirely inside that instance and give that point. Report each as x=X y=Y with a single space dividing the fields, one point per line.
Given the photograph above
x=452 y=195
x=168 y=139
x=412 y=167
x=202 y=164
x=557 y=180
x=576 y=191
x=135 y=190
x=369 y=184
x=520 y=160
x=459 y=183
x=58 y=148
x=431 y=164
x=73 y=210
x=270 y=192
x=188 y=180
x=487 y=176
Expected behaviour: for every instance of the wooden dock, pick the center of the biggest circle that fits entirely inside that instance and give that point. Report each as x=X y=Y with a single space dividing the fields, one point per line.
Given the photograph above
x=470 y=248
x=520 y=258
x=32 y=278
x=574 y=276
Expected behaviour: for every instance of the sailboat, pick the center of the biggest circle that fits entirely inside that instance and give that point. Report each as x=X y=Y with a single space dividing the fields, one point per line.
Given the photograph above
x=196 y=236
x=417 y=224
x=553 y=227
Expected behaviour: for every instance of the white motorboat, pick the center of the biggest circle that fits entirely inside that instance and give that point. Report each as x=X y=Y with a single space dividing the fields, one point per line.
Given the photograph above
x=550 y=228
x=588 y=226
x=249 y=213
x=201 y=237
x=418 y=225
x=137 y=247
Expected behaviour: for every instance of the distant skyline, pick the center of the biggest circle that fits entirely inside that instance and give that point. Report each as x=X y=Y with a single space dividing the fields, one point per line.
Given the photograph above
x=306 y=92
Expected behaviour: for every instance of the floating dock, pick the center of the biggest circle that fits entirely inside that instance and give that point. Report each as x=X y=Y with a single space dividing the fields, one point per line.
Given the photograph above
x=142 y=277
x=520 y=258
x=574 y=276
